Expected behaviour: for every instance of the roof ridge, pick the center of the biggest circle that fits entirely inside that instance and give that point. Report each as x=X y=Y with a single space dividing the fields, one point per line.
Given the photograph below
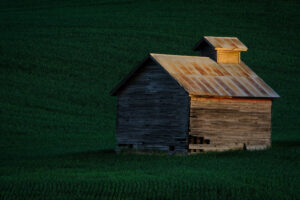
x=160 y=54
x=221 y=37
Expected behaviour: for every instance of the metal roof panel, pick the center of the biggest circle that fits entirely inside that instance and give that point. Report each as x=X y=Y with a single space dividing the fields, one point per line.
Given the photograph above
x=202 y=76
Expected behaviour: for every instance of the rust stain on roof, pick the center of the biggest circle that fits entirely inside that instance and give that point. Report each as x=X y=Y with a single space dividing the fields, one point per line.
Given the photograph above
x=201 y=86
x=202 y=76
x=241 y=86
x=198 y=68
x=225 y=86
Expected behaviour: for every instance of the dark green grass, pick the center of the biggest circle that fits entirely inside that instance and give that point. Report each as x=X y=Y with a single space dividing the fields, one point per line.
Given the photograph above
x=89 y=175
x=60 y=59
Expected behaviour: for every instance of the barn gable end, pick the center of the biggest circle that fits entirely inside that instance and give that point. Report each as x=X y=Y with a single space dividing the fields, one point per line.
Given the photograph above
x=153 y=111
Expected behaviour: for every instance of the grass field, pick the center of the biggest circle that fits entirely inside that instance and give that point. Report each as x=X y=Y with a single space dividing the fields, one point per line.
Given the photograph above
x=60 y=59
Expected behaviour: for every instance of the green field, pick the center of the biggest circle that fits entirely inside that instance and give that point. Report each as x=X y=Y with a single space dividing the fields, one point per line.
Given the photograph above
x=60 y=59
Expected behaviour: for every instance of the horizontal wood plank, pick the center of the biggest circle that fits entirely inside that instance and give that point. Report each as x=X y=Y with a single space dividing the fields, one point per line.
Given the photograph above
x=153 y=112
x=230 y=124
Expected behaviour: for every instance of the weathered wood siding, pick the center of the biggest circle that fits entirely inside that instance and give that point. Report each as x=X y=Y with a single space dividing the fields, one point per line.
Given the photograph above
x=153 y=112
x=224 y=124
x=232 y=57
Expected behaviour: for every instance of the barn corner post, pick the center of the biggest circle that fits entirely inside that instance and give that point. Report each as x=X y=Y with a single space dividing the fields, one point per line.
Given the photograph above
x=188 y=126
x=117 y=149
x=271 y=123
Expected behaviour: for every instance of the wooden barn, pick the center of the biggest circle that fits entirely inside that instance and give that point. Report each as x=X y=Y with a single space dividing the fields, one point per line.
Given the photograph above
x=188 y=104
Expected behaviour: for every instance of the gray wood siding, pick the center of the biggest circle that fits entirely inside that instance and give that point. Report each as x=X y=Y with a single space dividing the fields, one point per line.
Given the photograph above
x=224 y=124
x=153 y=111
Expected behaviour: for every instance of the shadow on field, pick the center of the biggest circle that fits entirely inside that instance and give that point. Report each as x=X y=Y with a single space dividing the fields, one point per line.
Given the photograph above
x=94 y=154
x=103 y=153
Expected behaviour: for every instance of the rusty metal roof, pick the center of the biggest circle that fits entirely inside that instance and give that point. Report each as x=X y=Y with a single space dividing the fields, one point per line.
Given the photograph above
x=223 y=43
x=203 y=76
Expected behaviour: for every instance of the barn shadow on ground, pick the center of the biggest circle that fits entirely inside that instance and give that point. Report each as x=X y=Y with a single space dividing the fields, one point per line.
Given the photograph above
x=111 y=152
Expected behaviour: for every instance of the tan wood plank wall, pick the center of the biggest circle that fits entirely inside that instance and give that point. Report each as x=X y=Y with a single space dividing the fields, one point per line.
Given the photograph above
x=224 y=124
x=228 y=57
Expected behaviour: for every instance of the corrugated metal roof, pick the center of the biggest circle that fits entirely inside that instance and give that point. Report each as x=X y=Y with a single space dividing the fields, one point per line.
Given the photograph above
x=202 y=76
x=224 y=43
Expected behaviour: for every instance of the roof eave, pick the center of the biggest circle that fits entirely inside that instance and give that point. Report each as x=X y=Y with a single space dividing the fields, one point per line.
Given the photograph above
x=235 y=97
x=230 y=49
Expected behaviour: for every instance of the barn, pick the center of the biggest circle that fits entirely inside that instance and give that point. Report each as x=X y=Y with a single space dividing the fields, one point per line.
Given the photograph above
x=191 y=104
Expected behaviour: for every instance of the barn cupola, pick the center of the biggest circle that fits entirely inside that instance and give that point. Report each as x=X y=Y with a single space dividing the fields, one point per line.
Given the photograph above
x=225 y=50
